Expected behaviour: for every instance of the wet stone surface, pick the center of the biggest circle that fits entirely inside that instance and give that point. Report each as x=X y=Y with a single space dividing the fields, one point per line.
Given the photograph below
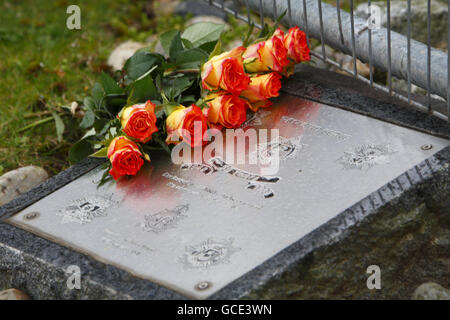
x=208 y=224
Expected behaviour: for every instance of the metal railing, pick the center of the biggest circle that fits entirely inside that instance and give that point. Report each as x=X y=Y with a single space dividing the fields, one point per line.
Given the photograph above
x=382 y=48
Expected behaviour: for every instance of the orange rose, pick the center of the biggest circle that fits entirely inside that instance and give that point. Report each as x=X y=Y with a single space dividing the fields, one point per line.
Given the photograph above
x=296 y=45
x=188 y=123
x=225 y=71
x=139 y=121
x=225 y=110
x=125 y=157
x=261 y=88
x=269 y=55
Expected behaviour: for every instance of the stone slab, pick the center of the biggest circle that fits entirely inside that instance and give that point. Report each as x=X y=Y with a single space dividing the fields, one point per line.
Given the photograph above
x=194 y=230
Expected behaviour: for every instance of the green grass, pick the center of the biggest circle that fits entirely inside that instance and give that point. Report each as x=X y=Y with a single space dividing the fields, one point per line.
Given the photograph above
x=45 y=66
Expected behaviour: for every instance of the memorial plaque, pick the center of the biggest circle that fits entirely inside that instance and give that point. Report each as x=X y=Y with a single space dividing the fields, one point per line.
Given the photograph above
x=196 y=227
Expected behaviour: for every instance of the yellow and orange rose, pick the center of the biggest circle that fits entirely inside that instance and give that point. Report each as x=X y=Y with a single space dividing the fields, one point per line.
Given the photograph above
x=297 y=45
x=297 y=49
x=188 y=124
x=269 y=55
x=225 y=71
x=139 y=121
x=225 y=110
x=125 y=157
x=261 y=88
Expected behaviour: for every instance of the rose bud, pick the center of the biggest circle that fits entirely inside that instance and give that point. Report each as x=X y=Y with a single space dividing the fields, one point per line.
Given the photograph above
x=225 y=110
x=269 y=55
x=125 y=157
x=296 y=45
x=261 y=88
x=189 y=124
x=139 y=121
x=225 y=71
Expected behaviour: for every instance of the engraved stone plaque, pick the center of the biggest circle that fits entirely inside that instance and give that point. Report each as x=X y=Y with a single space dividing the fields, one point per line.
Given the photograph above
x=185 y=225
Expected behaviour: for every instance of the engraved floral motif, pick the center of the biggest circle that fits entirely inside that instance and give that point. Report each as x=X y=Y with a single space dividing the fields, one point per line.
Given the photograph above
x=366 y=156
x=86 y=209
x=208 y=253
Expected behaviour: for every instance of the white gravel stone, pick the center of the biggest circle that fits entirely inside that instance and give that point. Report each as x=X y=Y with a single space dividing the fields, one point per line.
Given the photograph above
x=120 y=55
x=212 y=19
x=431 y=291
x=19 y=181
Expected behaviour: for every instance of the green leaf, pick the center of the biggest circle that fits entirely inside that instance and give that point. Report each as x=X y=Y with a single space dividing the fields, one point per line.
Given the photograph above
x=174 y=87
x=147 y=73
x=141 y=62
x=59 y=124
x=162 y=143
x=101 y=125
x=144 y=89
x=191 y=58
x=203 y=32
x=115 y=102
x=97 y=95
x=80 y=150
x=246 y=41
x=280 y=18
x=166 y=39
x=106 y=176
x=88 y=119
x=188 y=99
x=89 y=103
x=170 y=107
x=217 y=49
x=176 y=46
x=209 y=46
x=102 y=153
x=187 y=44
x=276 y=25
x=89 y=133
x=109 y=84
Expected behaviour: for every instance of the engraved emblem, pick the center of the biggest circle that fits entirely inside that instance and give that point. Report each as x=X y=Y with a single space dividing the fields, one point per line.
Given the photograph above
x=164 y=219
x=85 y=209
x=208 y=253
x=366 y=156
x=285 y=148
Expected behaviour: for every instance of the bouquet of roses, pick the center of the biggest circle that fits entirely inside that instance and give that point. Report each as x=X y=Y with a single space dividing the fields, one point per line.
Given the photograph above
x=158 y=101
